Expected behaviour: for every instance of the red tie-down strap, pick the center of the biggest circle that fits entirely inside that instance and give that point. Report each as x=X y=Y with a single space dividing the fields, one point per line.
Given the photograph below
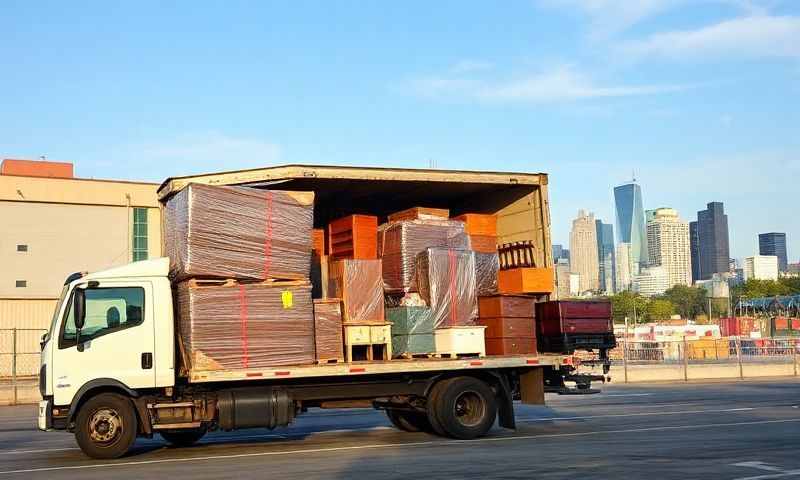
x=268 y=236
x=243 y=325
x=452 y=270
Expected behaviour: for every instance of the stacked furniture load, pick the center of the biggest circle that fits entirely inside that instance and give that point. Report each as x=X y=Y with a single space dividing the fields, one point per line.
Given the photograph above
x=355 y=275
x=566 y=326
x=510 y=324
x=446 y=281
x=242 y=258
x=482 y=232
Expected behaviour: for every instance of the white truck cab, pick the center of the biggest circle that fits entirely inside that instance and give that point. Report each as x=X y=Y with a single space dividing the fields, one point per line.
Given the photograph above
x=126 y=339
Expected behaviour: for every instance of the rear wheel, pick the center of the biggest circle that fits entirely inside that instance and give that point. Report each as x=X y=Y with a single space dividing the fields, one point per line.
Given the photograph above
x=183 y=437
x=409 y=421
x=106 y=426
x=463 y=408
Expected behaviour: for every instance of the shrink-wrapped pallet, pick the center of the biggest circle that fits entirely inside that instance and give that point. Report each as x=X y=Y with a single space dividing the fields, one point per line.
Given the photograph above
x=487 y=266
x=401 y=242
x=359 y=284
x=328 y=330
x=446 y=279
x=239 y=232
x=230 y=326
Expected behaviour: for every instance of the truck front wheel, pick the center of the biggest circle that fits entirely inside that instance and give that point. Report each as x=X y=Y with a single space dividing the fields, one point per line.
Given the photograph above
x=183 y=437
x=463 y=408
x=106 y=426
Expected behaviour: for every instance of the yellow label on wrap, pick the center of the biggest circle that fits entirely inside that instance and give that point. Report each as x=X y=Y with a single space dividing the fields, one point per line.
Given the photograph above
x=287 y=299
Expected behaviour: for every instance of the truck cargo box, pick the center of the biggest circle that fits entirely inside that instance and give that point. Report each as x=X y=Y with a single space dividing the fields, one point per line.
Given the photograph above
x=519 y=200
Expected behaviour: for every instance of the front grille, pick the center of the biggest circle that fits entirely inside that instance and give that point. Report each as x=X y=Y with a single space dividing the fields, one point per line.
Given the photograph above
x=43 y=380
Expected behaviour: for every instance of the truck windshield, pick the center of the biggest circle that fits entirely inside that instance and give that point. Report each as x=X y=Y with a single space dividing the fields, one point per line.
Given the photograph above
x=55 y=313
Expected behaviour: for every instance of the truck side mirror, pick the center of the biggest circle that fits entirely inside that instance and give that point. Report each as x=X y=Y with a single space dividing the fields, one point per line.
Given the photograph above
x=79 y=307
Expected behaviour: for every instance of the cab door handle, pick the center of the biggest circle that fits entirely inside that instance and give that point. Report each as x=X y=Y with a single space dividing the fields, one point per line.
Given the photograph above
x=147 y=361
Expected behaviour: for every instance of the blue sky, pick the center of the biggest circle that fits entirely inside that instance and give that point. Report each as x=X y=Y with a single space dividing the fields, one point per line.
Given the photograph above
x=699 y=97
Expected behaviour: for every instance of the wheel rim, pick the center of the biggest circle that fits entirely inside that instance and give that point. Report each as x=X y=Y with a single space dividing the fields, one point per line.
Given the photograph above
x=105 y=426
x=469 y=408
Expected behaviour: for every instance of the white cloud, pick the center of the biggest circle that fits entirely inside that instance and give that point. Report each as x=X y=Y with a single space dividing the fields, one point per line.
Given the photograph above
x=191 y=153
x=563 y=83
x=608 y=17
x=755 y=36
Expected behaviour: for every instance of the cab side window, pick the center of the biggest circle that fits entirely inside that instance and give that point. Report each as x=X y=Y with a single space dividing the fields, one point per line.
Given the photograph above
x=108 y=310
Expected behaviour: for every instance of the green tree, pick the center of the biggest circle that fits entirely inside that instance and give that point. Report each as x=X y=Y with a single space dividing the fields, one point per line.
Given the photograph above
x=763 y=288
x=659 y=309
x=623 y=304
x=793 y=284
x=689 y=302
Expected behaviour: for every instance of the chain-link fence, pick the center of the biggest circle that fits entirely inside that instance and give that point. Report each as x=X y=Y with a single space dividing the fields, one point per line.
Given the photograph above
x=19 y=364
x=705 y=358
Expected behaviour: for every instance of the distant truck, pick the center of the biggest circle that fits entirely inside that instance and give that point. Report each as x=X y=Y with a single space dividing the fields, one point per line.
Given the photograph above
x=112 y=379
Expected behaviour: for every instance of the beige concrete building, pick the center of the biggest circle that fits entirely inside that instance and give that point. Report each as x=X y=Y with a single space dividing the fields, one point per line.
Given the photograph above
x=55 y=224
x=583 y=258
x=668 y=245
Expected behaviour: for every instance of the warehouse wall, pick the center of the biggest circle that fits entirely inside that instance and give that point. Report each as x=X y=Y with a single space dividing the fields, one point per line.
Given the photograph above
x=61 y=239
x=65 y=225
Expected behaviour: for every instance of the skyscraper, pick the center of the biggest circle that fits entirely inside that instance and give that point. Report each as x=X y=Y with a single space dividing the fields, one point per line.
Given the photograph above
x=668 y=245
x=623 y=268
x=583 y=251
x=560 y=252
x=712 y=236
x=630 y=221
x=694 y=247
x=774 y=243
x=606 y=256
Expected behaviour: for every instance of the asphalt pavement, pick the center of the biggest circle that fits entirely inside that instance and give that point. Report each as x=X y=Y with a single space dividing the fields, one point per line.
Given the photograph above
x=734 y=430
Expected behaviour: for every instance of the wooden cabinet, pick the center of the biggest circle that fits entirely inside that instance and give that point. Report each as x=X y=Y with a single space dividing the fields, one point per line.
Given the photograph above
x=526 y=280
x=355 y=236
x=368 y=342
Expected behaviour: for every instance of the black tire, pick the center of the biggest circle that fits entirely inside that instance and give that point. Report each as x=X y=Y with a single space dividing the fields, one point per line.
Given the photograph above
x=463 y=407
x=106 y=426
x=183 y=437
x=409 y=421
x=433 y=396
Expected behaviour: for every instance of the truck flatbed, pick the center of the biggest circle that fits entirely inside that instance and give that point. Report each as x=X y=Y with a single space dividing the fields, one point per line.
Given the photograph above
x=398 y=366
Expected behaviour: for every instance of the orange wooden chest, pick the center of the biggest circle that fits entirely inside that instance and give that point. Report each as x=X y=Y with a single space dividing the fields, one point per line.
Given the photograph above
x=506 y=327
x=511 y=346
x=526 y=280
x=479 y=223
x=506 y=306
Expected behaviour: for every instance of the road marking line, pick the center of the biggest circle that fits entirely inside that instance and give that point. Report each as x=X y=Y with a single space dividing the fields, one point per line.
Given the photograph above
x=759 y=465
x=17 y=452
x=777 y=472
x=394 y=445
x=638 y=414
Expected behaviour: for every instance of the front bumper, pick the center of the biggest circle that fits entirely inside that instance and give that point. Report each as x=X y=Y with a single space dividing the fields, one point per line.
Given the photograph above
x=45 y=420
x=51 y=417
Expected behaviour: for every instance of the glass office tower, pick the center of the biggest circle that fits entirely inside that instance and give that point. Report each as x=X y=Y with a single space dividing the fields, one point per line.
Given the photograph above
x=630 y=222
